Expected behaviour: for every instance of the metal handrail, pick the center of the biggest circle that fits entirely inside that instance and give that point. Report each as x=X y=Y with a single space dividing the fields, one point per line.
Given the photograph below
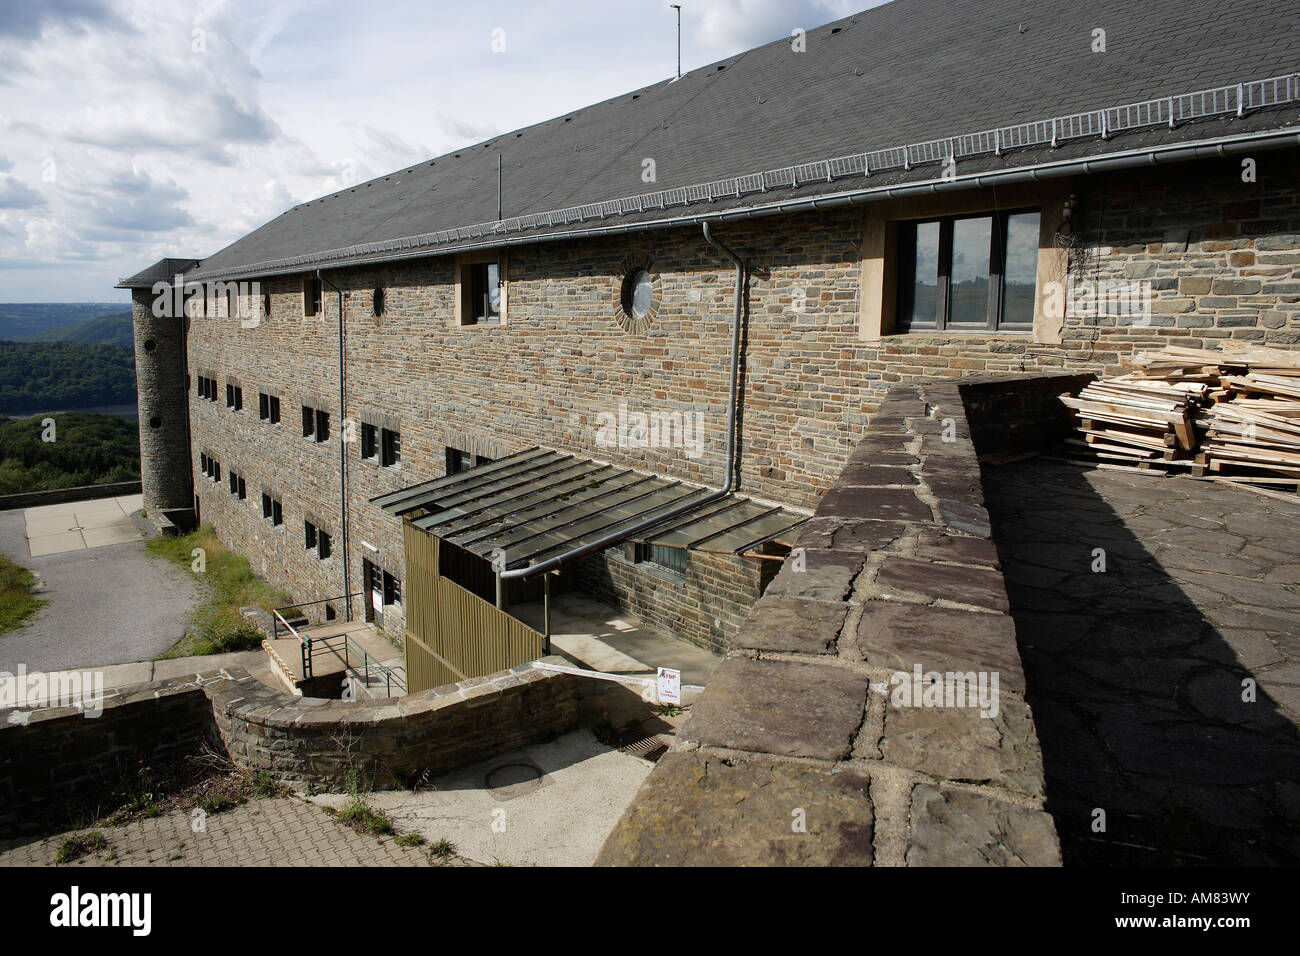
x=304 y=641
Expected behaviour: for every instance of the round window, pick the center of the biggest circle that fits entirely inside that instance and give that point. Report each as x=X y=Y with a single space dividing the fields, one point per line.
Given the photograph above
x=638 y=294
x=155 y=422
x=149 y=345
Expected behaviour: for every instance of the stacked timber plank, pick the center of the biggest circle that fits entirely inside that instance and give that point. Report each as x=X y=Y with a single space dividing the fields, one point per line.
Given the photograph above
x=1231 y=415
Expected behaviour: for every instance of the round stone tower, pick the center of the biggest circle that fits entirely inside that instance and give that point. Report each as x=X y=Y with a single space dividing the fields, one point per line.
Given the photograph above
x=160 y=377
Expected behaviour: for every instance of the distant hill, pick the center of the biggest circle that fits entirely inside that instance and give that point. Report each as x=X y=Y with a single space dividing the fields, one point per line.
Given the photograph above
x=39 y=376
x=106 y=330
x=31 y=318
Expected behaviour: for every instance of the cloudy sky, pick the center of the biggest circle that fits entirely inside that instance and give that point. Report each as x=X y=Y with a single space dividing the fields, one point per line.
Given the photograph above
x=136 y=129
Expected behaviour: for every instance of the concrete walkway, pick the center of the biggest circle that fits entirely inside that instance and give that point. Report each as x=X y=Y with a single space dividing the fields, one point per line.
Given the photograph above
x=1165 y=684
x=78 y=525
x=549 y=805
x=604 y=639
x=106 y=604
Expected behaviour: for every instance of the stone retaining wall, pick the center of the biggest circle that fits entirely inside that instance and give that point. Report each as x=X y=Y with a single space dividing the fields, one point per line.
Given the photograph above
x=54 y=759
x=798 y=752
x=56 y=496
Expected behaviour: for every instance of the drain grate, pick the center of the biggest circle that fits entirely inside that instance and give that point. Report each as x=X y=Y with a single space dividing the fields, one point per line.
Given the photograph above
x=647 y=748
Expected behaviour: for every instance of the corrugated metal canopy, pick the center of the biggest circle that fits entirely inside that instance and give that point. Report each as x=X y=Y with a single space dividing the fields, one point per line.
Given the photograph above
x=539 y=503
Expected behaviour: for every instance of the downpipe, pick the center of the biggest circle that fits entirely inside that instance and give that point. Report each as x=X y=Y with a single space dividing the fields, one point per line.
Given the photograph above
x=729 y=481
x=343 y=456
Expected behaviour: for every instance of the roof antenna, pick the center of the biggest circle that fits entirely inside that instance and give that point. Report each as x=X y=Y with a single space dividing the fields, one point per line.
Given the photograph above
x=678 y=8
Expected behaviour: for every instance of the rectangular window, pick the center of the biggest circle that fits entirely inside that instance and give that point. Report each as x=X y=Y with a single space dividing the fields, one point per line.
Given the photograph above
x=369 y=441
x=662 y=556
x=458 y=461
x=234 y=397
x=392 y=589
x=234 y=483
x=309 y=535
x=216 y=472
x=263 y=406
x=243 y=489
x=322 y=425
x=480 y=292
x=969 y=273
x=311 y=297
x=323 y=545
x=275 y=410
x=230 y=395
x=391 y=448
x=308 y=422
x=271 y=509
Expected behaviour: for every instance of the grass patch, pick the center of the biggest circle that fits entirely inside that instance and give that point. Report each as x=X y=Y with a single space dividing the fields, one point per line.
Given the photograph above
x=216 y=626
x=362 y=817
x=80 y=844
x=409 y=839
x=17 y=603
x=442 y=851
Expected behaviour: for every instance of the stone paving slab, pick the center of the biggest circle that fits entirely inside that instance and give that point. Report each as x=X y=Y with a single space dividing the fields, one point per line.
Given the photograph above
x=745 y=813
x=265 y=832
x=1141 y=674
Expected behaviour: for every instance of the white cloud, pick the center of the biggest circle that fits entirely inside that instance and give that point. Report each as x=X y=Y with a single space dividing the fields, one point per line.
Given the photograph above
x=128 y=136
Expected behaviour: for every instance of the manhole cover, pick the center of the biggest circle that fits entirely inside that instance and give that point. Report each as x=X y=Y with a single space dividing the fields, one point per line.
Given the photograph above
x=514 y=780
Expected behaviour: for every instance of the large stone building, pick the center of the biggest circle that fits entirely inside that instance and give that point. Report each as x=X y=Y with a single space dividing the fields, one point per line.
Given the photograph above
x=926 y=189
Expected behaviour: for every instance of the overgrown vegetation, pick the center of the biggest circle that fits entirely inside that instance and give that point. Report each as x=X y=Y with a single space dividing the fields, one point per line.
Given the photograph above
x=442 y=851
x=37 y=376
x=77 y=845
x=17 y=602
x=358 y=813
x=216 y=626
x=87 y=449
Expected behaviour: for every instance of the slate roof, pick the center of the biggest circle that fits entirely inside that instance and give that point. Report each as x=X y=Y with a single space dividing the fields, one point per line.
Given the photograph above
x=164 y=269
x=903 y=73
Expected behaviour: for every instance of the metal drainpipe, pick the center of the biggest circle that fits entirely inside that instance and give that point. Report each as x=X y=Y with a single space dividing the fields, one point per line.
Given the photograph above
x=601 y=543
x=343 y=458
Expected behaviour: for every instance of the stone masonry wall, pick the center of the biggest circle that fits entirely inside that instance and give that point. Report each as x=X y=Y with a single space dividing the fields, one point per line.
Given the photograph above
x=800 y=750
x=810 y=383
x=55 y=757
x=706 y=608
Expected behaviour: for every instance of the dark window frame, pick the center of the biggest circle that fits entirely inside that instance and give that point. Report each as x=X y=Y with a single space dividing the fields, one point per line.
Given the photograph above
x=943 y=298
x=390 y=448
x=369 y=442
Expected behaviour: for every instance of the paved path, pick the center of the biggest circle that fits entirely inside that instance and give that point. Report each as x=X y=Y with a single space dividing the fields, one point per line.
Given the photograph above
x=106 y=605
x=1135 y=673
x=265 y=832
